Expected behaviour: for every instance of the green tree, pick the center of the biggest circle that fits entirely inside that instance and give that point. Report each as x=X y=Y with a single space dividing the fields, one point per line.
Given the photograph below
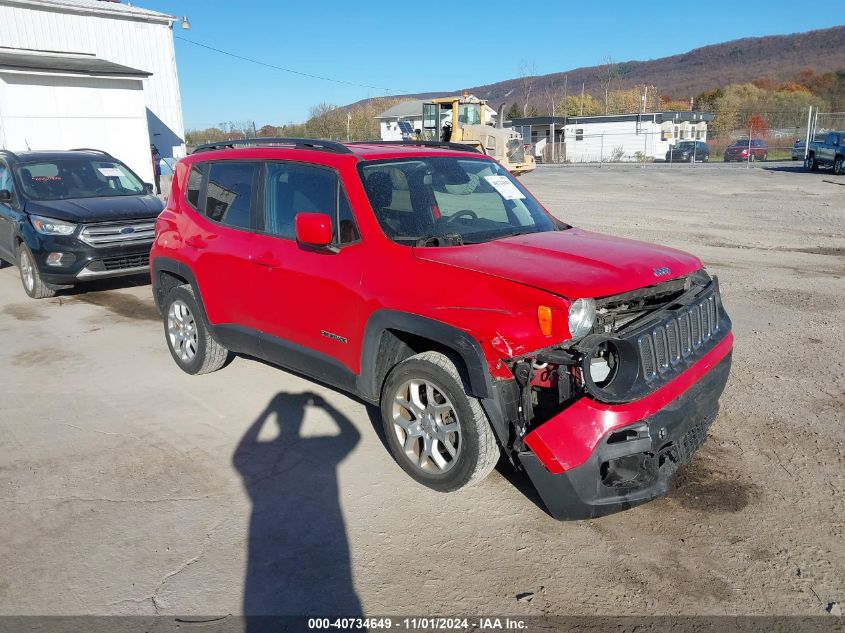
x=515 y=112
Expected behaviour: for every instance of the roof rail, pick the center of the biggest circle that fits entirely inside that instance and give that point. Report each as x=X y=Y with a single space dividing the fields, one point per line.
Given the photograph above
x=461 y=147
x=297 y=143
x=90 y=149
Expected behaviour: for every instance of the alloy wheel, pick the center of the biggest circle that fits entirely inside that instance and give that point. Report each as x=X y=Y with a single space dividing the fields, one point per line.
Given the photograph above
x=27 y=271
x=426 y=426
x=182 y=331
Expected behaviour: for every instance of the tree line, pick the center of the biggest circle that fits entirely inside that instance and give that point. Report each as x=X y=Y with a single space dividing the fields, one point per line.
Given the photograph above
x=760 y=105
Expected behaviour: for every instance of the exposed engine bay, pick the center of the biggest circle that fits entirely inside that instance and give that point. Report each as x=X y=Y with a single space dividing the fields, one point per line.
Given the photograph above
x=640 y=340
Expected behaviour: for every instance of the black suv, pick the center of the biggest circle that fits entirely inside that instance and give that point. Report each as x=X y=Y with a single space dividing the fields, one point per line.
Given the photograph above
x=73 y=216
x=689 y=151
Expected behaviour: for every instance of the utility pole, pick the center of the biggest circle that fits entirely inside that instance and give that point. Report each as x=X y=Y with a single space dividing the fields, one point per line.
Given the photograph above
x=807 y=142
x=582 y=98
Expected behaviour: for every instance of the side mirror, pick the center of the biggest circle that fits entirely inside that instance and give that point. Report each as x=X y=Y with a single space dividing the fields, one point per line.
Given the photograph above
x=5 y=195
x=148 y=187
x=314 y=229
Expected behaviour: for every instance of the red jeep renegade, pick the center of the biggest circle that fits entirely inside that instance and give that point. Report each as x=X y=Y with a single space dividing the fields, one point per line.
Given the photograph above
x=426 y=279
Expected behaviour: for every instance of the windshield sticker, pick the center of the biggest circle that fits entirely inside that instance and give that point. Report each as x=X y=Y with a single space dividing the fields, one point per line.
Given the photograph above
x=505 y=187
x=110 y=172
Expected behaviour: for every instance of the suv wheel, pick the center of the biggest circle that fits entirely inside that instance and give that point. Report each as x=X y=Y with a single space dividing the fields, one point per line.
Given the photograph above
x=30 y=277
x=838 y=167
x=437 y=433
x=188 y=337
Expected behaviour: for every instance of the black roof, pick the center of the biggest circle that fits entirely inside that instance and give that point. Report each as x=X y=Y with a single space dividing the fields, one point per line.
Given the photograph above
x=47 y=155
x=76 y=65
x=657 y=117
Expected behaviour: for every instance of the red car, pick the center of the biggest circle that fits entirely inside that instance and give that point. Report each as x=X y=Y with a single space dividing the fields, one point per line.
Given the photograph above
x=426 y=279
x=745 y=150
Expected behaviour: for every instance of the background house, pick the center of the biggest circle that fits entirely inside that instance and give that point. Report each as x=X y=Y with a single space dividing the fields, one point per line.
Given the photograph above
x=616 y=137
x=89 y=73
x=411 y=111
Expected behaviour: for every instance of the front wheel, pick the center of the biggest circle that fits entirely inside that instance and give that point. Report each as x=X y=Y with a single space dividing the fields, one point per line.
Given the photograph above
x=838 y=167
x=811 y=163
x=188 y=338
x=437 y=433
x=30 y=277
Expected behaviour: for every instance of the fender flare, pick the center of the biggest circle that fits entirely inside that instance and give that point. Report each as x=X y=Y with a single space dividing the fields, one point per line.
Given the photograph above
x=462 y=343
x=169 y=265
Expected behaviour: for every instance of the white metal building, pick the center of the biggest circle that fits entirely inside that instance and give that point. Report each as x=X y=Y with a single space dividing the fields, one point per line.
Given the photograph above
x=616 y=137
x=411 y=111
x=89 y=73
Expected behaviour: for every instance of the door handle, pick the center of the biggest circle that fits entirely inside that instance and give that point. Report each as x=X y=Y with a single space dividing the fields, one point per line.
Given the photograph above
x=195 y=241
x=268 y=261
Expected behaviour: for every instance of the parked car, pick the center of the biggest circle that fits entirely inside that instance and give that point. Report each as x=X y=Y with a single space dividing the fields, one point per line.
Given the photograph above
x=429 y=281
x=689 y=151
x=798 y=149
x=829 y=153
x=745 y=150
x=73 y=216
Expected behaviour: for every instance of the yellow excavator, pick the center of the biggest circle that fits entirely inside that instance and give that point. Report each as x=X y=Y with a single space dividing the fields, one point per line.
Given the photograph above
x=464 y=120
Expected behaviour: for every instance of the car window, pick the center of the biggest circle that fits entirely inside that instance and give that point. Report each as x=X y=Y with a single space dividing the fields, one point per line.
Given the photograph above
x=416 y=199
x=192 y=191
x=6 y=181
x=73 y=178
x=229 y=191
x=292 y=188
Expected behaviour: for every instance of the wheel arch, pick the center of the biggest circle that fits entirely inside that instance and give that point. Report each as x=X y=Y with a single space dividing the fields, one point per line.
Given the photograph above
x=166 y=274
x=392 y=336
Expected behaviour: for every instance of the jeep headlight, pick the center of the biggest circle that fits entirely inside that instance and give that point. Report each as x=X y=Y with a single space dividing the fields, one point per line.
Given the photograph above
x=49 y=226
x=582 y=315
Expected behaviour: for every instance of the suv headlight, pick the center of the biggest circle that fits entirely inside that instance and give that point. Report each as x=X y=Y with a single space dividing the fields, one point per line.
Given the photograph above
x=582 y=315
x=49 y=226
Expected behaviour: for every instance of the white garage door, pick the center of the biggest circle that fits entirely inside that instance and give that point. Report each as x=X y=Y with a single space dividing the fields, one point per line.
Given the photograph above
x=53 y=112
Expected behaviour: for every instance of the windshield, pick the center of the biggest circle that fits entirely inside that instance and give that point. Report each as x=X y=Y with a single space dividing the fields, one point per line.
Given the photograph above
x=686 y=145
x=461 y=200
x=70 y=178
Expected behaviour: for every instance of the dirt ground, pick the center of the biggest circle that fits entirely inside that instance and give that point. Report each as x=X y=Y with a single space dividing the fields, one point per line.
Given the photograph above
x=129 y=487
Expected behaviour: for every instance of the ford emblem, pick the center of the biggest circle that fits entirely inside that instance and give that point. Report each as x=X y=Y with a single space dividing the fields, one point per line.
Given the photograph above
x=126 y=230
x=660 y=272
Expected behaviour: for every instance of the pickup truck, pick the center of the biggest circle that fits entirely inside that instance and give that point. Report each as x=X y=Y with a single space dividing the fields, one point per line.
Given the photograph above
x=829 y=152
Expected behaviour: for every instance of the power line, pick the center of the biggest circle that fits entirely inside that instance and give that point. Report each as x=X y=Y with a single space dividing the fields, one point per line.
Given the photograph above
x=287 y=70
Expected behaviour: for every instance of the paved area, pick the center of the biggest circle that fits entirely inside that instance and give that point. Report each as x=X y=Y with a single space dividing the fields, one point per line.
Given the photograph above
x=128 y=487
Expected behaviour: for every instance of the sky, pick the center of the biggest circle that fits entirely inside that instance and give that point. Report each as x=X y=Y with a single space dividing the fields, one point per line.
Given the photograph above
x=389 y=48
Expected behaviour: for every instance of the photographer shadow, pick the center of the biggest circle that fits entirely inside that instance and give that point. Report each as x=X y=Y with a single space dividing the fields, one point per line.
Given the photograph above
x=299 y=561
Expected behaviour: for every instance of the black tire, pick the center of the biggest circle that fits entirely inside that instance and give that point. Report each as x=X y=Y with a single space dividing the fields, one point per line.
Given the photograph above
x=207 y=355
x=752 y=158
x=811 y=163
x=838 y=167
x=34 y=286
x=477 y=449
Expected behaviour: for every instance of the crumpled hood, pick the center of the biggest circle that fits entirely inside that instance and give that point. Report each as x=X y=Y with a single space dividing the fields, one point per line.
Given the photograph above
x=573 y=263
x=97 y=209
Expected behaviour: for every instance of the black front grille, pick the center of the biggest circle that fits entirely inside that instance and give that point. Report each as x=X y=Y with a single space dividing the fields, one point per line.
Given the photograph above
x=126 y=261
x=669 y=342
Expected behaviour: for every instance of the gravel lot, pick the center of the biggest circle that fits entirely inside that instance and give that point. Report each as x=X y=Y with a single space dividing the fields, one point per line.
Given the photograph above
x=129 y=487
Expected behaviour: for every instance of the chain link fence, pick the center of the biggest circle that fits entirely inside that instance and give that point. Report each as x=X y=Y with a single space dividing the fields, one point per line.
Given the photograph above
x=776 y=135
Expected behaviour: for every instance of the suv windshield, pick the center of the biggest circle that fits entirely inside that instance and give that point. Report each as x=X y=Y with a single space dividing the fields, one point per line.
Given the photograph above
x=69 y=178
x=686 y=145
x=461 y=200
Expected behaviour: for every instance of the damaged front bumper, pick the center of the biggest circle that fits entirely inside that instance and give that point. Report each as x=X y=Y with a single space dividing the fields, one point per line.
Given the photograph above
x=595 y=458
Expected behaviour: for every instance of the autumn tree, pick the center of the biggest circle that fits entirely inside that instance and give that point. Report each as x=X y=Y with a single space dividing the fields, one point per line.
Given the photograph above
x=607 y=74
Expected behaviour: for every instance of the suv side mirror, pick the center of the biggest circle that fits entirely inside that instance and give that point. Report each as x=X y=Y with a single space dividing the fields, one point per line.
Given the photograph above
x=5 y=195
x=314 y=229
